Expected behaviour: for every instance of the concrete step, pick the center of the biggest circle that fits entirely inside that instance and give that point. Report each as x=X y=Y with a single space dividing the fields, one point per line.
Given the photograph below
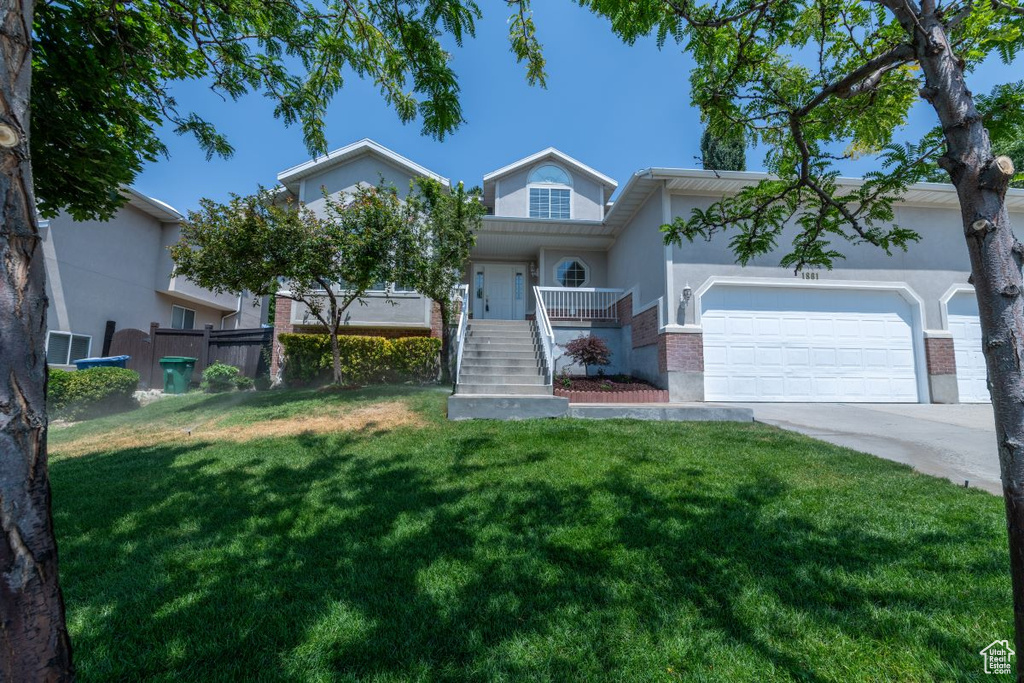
x=485 y=354
x=505 y=407
x=503 y=365
x=495 y=348
x=484 y=322
x=487 y=378
x=498 y=336
x=504 y=389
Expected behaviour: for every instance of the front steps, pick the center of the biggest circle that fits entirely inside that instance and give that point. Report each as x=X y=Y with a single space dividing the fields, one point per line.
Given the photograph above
x=502 y=358
x=503 y=374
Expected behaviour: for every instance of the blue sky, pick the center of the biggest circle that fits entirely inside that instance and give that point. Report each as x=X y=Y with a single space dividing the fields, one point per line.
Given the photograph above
x=615 y=107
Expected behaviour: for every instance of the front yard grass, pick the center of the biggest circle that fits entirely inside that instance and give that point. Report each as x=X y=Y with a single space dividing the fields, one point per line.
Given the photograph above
x=208 y=538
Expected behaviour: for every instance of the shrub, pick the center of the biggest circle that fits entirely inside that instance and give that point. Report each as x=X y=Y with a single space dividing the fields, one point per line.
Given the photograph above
x=588 y=351
x=81 y=394
x=219 y=377
x=364 y=360
x=416 y=358
x=243 y=383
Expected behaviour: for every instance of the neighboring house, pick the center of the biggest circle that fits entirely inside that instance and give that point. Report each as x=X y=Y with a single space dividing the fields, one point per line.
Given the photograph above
x=553 y=247
x=119 y=271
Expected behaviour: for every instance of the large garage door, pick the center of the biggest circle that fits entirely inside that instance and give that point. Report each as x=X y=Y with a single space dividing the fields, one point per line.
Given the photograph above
x=971 y=373
x=807 y=344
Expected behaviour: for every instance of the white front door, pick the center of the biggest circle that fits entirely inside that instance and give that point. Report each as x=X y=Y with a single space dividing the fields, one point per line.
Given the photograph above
x=504 y=292
x=971 y=372
x=807 y=344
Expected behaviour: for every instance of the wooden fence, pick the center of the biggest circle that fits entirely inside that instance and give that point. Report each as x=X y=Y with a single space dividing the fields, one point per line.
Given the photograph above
x=242 y=348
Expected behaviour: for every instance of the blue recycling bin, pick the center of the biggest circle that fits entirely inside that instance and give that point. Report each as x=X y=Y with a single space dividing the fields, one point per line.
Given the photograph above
x=107 y=362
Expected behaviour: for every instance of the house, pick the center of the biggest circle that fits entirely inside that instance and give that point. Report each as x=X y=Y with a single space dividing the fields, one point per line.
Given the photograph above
x=560 y=254
x=103 y=276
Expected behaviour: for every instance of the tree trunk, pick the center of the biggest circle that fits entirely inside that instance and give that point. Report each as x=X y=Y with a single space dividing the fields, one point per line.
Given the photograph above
x=335 y=354
x=446 y=341
x=996 y=259
x=34 y=644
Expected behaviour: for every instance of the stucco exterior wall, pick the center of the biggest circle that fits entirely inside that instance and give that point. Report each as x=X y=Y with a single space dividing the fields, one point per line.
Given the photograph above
x=637 y=258
x=929 y=267
x=512 y=197
x=344 y=178
x=596 y=262
x=612 y=336
x=110 y=270
x=404 y=311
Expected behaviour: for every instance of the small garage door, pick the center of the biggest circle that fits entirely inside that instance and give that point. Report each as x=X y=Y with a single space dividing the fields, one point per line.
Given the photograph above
x=807 y=344
x=971 y=373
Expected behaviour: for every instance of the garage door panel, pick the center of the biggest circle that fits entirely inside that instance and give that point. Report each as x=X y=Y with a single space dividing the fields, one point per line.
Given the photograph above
x=965 y=326
x=808 y=345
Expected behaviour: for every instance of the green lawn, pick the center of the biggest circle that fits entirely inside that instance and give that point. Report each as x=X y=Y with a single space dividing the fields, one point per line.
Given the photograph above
x=409 y=548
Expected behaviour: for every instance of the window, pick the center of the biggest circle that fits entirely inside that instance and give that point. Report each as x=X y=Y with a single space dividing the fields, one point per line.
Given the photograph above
x=62 y=348
x=550 y=193
x=402 y=288
x=519 y=286
x=572 y=272
x=182 y=318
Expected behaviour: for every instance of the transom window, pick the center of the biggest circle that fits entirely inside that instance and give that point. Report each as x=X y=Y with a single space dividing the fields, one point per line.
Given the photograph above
x=572 y=272
x=550 y=190
x=63 y=348
x=182 y=318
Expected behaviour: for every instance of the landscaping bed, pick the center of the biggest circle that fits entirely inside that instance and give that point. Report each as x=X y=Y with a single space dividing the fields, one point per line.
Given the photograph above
x=611 y=389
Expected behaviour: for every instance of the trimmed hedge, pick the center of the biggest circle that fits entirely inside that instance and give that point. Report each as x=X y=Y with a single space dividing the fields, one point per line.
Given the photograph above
x=219 y=377
x=364 y=360
x=79 y=394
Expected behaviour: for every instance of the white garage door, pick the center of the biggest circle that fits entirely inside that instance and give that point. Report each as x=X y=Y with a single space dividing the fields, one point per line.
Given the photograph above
x=807 y=344
x=971 y=373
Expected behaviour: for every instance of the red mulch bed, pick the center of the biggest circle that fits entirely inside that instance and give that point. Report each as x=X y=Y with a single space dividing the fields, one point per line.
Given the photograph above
x=611 y=389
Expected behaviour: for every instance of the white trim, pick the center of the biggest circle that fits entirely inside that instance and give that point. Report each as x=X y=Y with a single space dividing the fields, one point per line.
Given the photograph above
x=586 y=269
x=497 y=198
x=366 y=145
x=901 y=288
x=163 y=212
x=938 y=334
x=561 y=156
x=947 y=297
x=479 y=312
x=682 y=329
x=670 y=295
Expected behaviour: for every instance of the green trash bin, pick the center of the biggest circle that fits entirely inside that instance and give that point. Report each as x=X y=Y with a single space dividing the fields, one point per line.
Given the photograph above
x=177 y=373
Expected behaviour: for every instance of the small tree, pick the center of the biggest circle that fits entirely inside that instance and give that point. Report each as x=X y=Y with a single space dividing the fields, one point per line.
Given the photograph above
x=443 y=227
x=326 y=262
x=587 y=351
x=723 y=153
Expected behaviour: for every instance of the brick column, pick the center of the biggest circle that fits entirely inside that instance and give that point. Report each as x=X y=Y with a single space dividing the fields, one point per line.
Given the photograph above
x=941 y=361
x=435 y=319
x=282 y=325
x=681 y=361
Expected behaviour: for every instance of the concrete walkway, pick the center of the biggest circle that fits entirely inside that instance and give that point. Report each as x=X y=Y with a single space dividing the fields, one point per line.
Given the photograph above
x=957 y=442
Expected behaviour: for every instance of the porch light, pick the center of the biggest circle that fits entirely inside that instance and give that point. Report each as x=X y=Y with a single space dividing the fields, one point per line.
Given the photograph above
x=687 y=294
x=533 y=269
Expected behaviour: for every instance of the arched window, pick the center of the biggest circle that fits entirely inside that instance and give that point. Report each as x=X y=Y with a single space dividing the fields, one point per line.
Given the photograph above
x=550 y=192
x=572 y=272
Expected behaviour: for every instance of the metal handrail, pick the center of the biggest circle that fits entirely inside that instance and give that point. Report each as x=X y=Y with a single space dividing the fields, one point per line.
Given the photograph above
x=460 y=335
x=547 y=335
x=580 y=303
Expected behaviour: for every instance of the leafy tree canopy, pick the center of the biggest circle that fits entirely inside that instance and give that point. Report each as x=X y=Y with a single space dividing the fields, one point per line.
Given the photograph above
x=103 y=72
x=722 y=154
x=815 y=83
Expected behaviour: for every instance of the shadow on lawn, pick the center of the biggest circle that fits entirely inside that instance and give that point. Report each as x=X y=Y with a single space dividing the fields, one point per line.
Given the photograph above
x=341 y=563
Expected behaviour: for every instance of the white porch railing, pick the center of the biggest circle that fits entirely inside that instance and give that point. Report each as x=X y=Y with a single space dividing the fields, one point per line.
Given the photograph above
x=547 y=336
x=579 y=303
x=462 y=297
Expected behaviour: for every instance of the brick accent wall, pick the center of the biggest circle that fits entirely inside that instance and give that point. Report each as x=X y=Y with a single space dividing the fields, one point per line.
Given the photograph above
x=624 y=309
x=940 y=357
x=435 y=320
x=645 y=328
x=282 y=325
x=681 y=353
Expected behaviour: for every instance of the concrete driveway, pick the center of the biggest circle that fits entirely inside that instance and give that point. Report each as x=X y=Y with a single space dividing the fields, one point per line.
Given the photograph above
x=957 y=442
